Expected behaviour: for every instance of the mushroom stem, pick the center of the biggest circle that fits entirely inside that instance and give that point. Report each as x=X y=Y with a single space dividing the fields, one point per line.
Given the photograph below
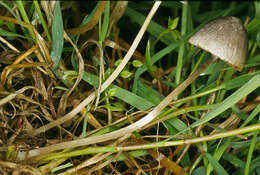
x=184 y=84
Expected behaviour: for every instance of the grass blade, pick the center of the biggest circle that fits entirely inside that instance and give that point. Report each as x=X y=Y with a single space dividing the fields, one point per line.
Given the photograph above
x=37 y=7
x=57 y=35
x=154 y=28
x=124 y=95
x=154 y=59
x=250 y=152
x=234 y=160
x=230 y=101
x=218 y=168
x=105 y=23
x=10 y=34
x=25 y=17
x=182 y=45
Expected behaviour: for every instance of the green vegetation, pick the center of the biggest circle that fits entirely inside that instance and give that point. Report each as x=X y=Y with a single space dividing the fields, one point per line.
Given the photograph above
x=82 y=85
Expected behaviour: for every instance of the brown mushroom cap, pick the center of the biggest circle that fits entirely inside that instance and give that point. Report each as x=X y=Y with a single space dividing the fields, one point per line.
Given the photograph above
x=225 y=38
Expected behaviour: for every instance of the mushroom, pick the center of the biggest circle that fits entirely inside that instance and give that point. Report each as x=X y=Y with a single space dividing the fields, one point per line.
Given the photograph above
x=224 y=38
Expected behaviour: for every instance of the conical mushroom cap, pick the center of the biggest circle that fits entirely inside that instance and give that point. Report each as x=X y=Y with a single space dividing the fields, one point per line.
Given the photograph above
x=225 y=38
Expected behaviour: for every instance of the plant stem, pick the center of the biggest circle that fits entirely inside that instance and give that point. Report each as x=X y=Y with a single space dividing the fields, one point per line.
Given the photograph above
x=182 y=45
x=25 y=17
x=234 y=132
x=37 y=7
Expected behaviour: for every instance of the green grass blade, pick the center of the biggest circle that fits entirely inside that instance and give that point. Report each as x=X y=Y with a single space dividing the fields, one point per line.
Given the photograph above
x=175 y=123
x=234 y=160
x=124 y=95
x=63 y=166
x=10 y=34
x=37 y=7
x=154 y=28
x=242 y=144
x=255 y=164
x=105 y=23
x=148 y=58
x=25 y=17
x=230 y=101
x=251 y=149
x=132 y=99
x=227 y=77
x=239 y=112
x=149 y=93
x=182 y=45
x=134 y=154
x=154 y=59
x=239 y=81
x=251 y=116
x=179 y=63
x=57 y=35
x=253 y=26
x=199 y=171
x=218 y=168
